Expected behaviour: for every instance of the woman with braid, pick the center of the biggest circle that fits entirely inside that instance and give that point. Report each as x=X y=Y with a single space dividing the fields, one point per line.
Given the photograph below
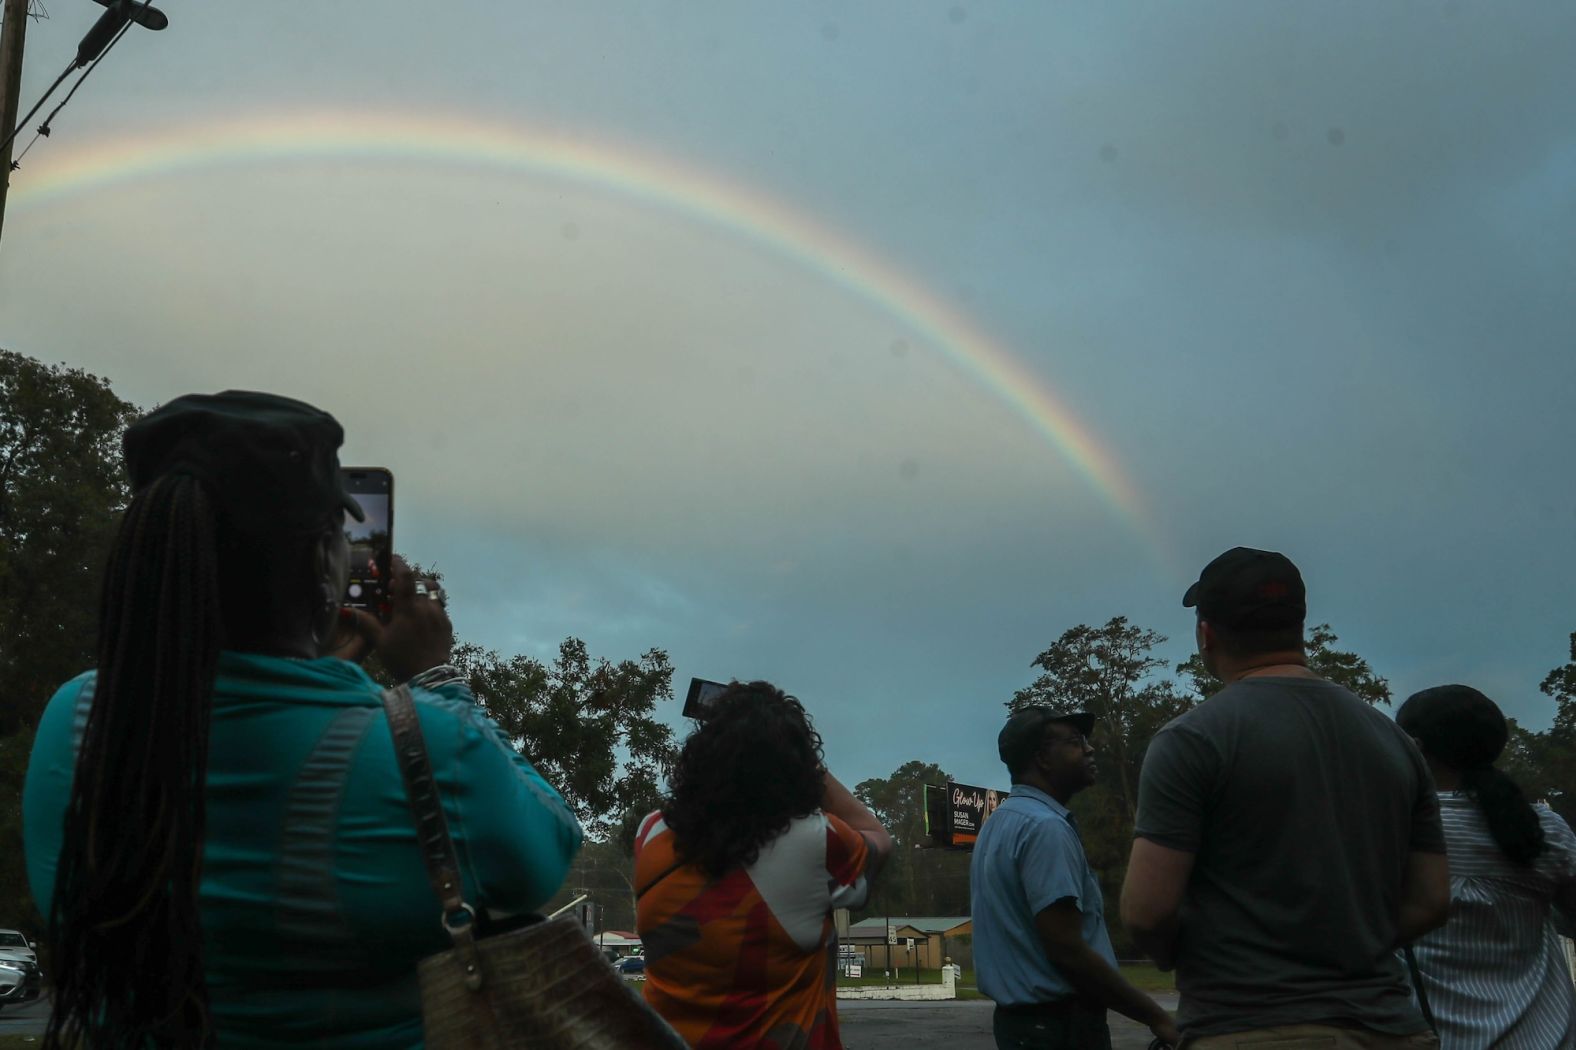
x=214 y=819
x=1494 y=975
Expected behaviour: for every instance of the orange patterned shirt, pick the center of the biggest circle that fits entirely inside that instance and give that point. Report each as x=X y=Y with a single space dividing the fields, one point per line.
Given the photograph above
x=749 y=959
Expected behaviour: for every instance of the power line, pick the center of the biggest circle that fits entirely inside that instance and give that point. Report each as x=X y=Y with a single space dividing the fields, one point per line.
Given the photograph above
x=38 y=106
x=44 y=128
x=100 y=39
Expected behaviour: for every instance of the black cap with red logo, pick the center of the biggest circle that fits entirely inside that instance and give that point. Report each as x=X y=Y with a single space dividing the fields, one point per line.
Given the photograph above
x=1247 y=589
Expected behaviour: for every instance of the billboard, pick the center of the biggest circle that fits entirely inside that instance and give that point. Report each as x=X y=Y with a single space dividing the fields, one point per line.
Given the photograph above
x=954 y=813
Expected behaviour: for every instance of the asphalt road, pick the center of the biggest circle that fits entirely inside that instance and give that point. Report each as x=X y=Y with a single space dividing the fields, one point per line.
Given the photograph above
x=24 y=1018
x=875 y=1024
x=868 y=1024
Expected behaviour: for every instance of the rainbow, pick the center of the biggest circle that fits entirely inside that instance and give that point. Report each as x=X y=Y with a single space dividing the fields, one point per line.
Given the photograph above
x=700 y=195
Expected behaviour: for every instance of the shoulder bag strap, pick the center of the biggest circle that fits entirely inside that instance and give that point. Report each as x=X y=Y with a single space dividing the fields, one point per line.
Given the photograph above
x=432 y=829
x=1417 y=986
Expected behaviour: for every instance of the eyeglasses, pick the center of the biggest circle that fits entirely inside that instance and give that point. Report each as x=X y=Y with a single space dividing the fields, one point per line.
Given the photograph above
x=1077 y=739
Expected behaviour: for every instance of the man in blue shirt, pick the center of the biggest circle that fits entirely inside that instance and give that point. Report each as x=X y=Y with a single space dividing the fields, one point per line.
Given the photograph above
x=1040 y=941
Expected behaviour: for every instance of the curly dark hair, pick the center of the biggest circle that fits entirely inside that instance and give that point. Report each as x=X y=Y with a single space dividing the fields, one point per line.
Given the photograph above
x=1466 y=730
x=752 y=767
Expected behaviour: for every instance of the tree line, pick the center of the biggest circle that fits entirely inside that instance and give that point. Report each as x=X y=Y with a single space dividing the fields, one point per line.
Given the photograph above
x=588 y=723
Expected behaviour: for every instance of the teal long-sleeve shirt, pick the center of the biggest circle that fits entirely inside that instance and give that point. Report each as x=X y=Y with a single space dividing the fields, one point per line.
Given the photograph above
x=315 y=902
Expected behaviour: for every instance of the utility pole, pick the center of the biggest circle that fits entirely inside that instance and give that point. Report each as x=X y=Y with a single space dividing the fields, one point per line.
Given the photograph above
x=13 y=33
x=118 y=14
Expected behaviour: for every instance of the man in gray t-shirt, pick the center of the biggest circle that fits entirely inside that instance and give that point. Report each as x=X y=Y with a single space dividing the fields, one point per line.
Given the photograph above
x=1287 y=838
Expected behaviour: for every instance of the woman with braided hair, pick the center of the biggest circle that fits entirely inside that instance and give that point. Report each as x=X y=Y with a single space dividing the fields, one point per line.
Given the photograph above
x=1494 y=975
x=214 y=819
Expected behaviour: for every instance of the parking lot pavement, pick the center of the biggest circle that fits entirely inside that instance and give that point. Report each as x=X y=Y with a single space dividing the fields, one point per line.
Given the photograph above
x=24 y=1018
x=867 y=1024
x=877 y=1024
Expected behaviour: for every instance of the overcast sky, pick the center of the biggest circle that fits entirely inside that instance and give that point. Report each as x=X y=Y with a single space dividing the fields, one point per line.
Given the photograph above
x=1302 y=273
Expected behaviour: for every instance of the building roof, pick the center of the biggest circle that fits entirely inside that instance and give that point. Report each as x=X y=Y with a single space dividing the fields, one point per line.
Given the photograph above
x=876 y=927
x=616 y=938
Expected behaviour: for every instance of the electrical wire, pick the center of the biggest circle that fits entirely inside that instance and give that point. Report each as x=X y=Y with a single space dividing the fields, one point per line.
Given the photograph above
x=38 y=105
x=43 y=129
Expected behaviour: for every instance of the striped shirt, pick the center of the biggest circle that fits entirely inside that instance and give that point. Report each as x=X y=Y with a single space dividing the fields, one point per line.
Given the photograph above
x=1495 y=974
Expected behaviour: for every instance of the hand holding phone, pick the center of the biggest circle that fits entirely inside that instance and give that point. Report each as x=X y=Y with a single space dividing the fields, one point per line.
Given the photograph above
x=357 y=634
x=418 y=635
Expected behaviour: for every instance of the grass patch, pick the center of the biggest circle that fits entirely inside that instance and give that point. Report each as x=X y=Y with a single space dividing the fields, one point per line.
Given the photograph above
x=18 y=1042
x=1147 y=978
x=1143 y=976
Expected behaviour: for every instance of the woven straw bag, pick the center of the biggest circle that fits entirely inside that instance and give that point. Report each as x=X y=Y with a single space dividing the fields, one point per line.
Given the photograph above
x=543 y=986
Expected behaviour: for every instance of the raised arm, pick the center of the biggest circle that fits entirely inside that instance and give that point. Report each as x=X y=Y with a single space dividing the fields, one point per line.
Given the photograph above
x=840 y=802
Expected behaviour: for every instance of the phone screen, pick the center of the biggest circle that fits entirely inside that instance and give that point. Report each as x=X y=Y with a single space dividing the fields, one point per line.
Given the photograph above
x=702 y=695
x=371 y=541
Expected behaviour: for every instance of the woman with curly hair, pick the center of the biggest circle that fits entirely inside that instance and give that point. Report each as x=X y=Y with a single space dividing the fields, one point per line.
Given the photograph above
x=1494 y=975
x=738 y=874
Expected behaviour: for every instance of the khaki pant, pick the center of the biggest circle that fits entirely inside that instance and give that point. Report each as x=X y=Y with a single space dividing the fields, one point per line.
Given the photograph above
x=1312 y=1037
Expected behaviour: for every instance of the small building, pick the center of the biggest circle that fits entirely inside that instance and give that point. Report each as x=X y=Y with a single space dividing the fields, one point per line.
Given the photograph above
x=618 y=943
x=934 y=939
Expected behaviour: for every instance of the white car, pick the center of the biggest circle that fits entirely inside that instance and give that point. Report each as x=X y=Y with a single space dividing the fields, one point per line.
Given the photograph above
x=21 y=980
x=15 y=945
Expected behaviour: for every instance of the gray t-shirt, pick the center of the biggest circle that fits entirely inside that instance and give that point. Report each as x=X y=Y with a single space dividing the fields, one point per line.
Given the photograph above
x=1301 y=803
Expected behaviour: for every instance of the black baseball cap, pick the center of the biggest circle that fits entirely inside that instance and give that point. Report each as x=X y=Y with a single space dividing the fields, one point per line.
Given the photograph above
x=270 y=462
x=1249 y=589
x=1021 y=737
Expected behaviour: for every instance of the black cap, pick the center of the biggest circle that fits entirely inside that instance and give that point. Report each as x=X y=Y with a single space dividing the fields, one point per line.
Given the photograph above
x=270 y=462
x=1249 y=589
x=1021 y=737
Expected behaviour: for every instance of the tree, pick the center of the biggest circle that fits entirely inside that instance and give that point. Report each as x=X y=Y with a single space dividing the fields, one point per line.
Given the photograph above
x=16 y=901
x=61 y=490
x=1340 y=667
x=1560 y=684
x=1547 y=766
x=916 y=880
x=1344 y=668
x=604 y=872
x=1105 y=671
x=585 y=725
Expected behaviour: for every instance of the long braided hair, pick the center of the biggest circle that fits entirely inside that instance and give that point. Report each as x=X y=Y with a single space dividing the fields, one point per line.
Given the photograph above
x=1464 y=729
x=124 y=926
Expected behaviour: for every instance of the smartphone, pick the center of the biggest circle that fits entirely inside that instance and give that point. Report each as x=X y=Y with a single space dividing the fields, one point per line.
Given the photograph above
x=371 y=541
x=702 y=694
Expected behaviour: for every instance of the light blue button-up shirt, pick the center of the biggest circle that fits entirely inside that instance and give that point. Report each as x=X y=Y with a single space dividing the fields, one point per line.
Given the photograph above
x=1028 y=857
